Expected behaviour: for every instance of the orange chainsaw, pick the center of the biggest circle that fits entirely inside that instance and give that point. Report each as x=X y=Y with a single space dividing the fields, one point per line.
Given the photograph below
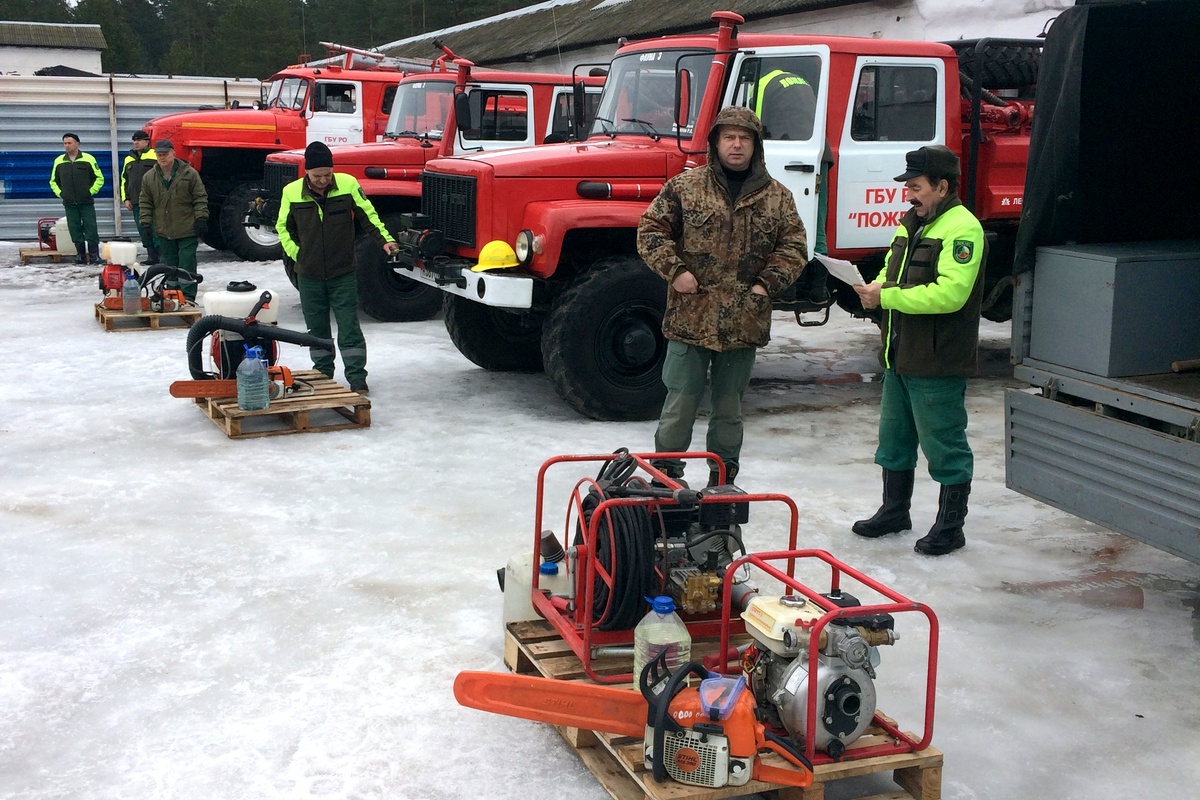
x=282 y=383
x=705 y=736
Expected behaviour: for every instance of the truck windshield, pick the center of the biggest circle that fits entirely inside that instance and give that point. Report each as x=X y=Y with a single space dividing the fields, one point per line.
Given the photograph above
x=639 y=93
x=287 y=93
x=420 y=109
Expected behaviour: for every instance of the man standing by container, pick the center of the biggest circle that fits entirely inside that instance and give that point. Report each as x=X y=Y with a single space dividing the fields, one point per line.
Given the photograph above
x=317 y=218
x=174 y=201
x=725 y=237
x=76 y=178
x=930 y=291
x=139 y=161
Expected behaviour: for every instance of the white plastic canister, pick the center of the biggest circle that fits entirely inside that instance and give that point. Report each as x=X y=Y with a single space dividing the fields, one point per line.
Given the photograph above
x=62 y=237
x=121 y=253
x=552 y=577
x=239 y=304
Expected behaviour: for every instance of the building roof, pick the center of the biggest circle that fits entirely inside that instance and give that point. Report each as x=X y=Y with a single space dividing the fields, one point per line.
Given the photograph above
x=563 y=25
x=52 y=34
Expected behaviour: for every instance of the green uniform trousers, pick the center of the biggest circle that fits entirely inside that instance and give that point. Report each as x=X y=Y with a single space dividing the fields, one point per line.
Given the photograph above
x=685 y=371
x=931 y=413
x=81 y=222
x=146 y=243
x=180 y=253
x=340 y=296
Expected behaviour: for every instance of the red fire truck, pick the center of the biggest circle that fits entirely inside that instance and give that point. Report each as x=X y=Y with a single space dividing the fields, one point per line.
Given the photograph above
x=335 y=104
x=580 y=303
x=499 y=110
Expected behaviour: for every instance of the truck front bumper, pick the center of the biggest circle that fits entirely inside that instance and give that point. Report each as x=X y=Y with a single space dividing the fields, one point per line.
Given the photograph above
x=501 y=289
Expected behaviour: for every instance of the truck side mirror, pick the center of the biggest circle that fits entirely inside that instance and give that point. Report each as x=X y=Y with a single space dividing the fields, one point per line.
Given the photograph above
x=462 y=112
x=683 y=98
x=579 y=109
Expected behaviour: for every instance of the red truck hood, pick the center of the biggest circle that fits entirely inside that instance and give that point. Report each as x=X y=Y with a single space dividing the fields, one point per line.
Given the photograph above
x=220 y=118
x=593 y=160
x=388 y=153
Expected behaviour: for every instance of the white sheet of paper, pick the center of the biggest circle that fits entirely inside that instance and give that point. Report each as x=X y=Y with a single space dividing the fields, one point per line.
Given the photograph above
x=844 y=271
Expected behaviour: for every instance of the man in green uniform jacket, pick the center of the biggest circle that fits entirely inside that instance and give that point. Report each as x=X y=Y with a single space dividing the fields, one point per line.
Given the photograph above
x=930 y=290
x=725 y=237
x=317 y=218
x=76 y=178
x=137 y=163
x=173 y=199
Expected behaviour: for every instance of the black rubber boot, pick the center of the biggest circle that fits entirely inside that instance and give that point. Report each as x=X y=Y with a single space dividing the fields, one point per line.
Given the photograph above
x=892 y=516
x=93 y=252
x=714 y=476
x=152 y=256
x=80 y=253
x=946 y=535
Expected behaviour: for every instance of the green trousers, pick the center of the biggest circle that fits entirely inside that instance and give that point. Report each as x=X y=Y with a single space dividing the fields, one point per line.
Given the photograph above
x=146 y=243
x=930 y=413
x=180 y=253
x=81 y=222
x=338 y=296
x=685 y=371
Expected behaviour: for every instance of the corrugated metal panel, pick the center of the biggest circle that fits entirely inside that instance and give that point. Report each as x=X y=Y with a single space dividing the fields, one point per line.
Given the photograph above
x=38 y=110
x=52 y=34
x=1129 y=478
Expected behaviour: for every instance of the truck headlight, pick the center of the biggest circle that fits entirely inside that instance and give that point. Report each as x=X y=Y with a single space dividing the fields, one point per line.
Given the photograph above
x=526 y=246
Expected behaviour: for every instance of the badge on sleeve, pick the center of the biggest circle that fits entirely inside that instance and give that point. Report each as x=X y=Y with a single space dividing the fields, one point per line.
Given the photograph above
x=963 y=250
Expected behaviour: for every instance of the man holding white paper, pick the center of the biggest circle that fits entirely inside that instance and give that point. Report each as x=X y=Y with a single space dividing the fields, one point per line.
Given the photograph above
x=930 y=291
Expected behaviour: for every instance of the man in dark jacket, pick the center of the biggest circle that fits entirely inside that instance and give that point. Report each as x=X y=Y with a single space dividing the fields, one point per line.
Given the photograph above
x=76 y=178
x=317 y=218
x=725 y=237
x=173 y=199
x=137 y=163
x=930 y=290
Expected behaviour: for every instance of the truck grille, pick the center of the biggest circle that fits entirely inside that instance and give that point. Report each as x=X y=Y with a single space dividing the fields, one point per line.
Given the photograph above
x=276 y=176
x=450 y=201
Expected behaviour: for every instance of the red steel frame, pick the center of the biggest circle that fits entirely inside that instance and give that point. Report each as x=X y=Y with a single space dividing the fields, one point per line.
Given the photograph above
x=573 y=619
x=898 y=604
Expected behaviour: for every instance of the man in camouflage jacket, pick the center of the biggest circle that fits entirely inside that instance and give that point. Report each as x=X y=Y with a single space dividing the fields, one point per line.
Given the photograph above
x=725 y=237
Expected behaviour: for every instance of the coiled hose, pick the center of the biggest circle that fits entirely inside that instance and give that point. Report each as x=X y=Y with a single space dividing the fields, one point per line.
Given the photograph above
x=247 y=330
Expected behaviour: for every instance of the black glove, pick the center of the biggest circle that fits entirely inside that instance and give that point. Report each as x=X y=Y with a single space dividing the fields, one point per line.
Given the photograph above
x=201 y=228
x=146 y=233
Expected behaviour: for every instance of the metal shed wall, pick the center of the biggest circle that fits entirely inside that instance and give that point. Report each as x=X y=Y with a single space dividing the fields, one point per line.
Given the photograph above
x=104 y=112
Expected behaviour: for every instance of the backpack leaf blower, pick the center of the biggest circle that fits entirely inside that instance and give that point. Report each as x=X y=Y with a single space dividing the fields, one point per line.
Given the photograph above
x=223 y=383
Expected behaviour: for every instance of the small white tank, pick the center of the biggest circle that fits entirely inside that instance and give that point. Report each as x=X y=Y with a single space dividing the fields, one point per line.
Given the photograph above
x=62 y=237
x=518 y=605
x=120 y=253
x=238 y=304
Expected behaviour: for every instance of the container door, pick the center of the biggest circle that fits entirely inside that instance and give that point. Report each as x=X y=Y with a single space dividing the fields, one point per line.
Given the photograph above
x=337 y=115
x=788 y=87
x=897 y=105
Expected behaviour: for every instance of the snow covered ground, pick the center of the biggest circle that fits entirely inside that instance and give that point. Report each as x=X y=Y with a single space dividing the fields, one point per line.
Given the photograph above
x=188 y=616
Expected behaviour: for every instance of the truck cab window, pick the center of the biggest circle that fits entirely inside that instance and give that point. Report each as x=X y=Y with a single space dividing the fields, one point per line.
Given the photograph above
x=289 y=93
x=498 y=116
x=783 y=93
x=895 y=104
x=641 y=86
x=389 y=96
x=335 y=98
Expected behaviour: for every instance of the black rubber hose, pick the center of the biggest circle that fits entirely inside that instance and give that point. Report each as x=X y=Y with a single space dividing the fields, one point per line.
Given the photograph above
x=170 y=272
x=247 y=330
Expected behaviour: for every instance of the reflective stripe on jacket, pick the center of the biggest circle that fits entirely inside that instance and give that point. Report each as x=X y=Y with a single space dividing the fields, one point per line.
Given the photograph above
x=932 y=292
x=318 y=233
x=76 y=182
x=133 y=169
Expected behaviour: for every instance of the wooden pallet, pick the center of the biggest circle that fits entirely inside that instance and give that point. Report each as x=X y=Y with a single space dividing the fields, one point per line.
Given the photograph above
x=114 y=319
x=34 y=252
x=616 y=761
x=331 y=407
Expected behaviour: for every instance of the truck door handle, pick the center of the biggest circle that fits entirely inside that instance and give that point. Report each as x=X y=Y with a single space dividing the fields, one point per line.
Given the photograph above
x=797 y=166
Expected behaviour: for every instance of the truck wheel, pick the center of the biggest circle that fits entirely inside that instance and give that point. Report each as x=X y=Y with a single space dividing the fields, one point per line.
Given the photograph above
x=502 y=341
x=386 y=295
x=247 y=235
x=603 y=345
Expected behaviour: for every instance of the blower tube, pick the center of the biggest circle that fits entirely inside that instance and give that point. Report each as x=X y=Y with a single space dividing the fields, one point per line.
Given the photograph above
x=247 y=330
